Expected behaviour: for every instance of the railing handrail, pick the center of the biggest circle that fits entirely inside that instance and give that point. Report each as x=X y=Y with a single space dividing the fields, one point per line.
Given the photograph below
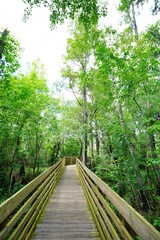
x=138 y=223
x=34 y=195
x=8 y=206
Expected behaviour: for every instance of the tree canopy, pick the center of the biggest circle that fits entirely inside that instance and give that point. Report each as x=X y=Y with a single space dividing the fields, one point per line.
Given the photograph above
x=88 y=11
x=121 y=86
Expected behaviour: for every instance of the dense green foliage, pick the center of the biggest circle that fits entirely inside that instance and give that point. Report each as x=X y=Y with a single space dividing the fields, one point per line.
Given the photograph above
x=115 y=117
x=9 y=54
x=88 y=10
x=123 y=118
x=125 y=5
x=27 y=120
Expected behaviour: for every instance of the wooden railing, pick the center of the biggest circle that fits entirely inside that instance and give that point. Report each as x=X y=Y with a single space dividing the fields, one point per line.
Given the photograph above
x=70 y=160
x=19 y=213
x=100 y=198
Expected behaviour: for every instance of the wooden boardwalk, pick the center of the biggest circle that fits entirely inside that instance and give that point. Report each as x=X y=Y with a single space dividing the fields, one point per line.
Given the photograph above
x=67 y=215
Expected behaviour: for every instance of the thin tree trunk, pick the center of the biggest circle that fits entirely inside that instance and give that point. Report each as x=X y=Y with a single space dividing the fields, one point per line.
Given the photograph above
x=104 y=145
x=85 y=126
x=92 y=154
x=22 y=170
x=110 y=144
x=154 y=155
x=134 y=22
x=14 y=159
x=136 y=167
x=152 y=144
x=81 y=148
x=37 y=151
x=55 y=152
x=85 y=149
x=2 y=42
x=58 y=148
x=97 y=139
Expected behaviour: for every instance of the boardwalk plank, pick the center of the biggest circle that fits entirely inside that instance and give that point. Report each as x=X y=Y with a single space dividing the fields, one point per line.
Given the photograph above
x=67 y=215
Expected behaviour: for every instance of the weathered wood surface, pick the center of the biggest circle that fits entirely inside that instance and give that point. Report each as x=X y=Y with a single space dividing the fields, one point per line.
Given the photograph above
x=10 y=204
x=39 y=190
x=140 y=225
x=67 y=215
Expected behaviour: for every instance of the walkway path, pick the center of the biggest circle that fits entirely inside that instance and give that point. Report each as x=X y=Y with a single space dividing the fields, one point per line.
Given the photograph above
x=67 y=215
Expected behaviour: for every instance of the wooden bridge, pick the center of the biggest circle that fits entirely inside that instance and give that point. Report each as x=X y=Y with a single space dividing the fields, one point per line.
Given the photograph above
x=70 y=202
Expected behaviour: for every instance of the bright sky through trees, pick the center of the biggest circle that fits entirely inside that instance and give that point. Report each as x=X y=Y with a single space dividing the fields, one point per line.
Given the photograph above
x=35 y=36
x=38 y=41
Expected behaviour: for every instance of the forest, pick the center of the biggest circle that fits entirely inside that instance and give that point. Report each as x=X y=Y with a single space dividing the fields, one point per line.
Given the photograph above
x=114 y=119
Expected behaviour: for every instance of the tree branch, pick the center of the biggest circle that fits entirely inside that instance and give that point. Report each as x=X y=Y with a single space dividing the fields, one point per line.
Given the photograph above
x=76 y=97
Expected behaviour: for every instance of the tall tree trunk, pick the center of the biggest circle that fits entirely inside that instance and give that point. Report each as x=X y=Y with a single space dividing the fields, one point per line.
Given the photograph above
x=58 y=147
x=85 y=125
x=37 y=151
x=120 y=182
x=81 y=148
x=92 y=154
x=110 y=148
x=2 y=42
x=14 y=158
x=146 y=204
x=104 y=145
x=134 y=23
x=97 y=138
x=154 y=155
x=55 y=152
x=152 y=142
x=22 y=170
x=85 y=149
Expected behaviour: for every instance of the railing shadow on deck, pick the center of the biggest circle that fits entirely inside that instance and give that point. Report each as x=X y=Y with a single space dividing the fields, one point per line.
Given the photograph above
x=19 y=213
x=110 y=226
